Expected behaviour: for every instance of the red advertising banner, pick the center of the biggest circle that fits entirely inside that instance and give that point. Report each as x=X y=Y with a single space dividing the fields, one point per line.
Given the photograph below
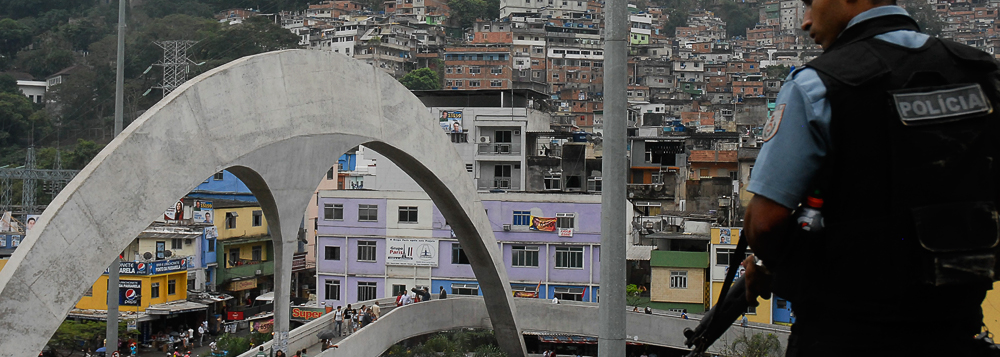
x=542 y=224
x=234 y=315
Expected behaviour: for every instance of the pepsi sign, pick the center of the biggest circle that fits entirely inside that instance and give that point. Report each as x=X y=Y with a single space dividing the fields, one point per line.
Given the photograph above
x=129 y=292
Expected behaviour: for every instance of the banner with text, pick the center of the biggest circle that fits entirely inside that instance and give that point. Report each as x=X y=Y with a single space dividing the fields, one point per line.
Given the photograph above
x=129 y=292
x=411 y=252
x=542 y=224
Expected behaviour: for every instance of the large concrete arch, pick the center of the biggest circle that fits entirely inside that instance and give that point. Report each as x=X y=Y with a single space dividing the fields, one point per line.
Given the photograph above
x=278 y=121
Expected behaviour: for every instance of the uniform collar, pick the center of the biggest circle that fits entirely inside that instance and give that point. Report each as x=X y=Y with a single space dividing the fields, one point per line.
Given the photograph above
x=874 y=22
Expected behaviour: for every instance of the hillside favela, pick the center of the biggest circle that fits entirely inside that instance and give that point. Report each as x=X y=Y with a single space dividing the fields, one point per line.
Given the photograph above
x=288 y=177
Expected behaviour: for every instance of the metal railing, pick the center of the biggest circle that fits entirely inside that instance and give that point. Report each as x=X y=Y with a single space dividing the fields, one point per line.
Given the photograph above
x=500 y=149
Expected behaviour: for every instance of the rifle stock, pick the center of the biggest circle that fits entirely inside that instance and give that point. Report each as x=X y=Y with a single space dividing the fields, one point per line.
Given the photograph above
x=718 y=319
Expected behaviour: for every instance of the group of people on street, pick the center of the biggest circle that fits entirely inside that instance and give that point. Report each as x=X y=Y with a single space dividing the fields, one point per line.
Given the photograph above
x=280 y=353
x=417 y=294
x=349 y=320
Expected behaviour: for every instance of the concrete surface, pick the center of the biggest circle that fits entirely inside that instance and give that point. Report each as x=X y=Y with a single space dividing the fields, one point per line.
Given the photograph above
x=278 y=121
x=536 y=315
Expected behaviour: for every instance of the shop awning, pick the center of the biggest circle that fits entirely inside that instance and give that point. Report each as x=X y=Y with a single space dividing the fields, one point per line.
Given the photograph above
x=175 y=307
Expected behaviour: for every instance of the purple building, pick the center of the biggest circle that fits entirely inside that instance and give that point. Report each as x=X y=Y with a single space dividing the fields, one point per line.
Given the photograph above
x=374 y=244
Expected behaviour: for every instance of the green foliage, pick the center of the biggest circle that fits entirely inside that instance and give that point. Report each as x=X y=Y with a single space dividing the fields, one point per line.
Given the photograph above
x=50 y=55
x=84 y=335
x=236 y=345
x=15 y=117
x=489 y=351
x=421 y=79
x=465 y=12
x=29 y=8
x=163 y=8
x=8 y=84
x=15 y=37
x=738 y=17
x=778 y=72
x=633 y=294
x=756 y=345
x=255 y=35
x=81 y=156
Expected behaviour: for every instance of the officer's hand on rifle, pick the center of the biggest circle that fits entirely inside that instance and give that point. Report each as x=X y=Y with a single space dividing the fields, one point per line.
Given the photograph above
x=758 y=279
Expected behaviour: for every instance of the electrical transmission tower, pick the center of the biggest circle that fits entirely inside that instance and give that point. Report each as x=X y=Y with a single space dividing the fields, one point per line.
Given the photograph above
x=175 y=63
x=52 y=180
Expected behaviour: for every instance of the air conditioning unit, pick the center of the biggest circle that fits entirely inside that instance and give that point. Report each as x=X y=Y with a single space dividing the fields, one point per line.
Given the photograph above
x=648 y=224
x=484 y=139
x=506 y=228
x=258 y=272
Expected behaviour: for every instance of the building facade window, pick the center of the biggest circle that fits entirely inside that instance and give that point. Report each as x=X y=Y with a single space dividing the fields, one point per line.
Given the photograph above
x=569 y=257
x=473 y=83
x=154 y=291
x=211 y=244
x=458 y=254
x=368 y=213
x=331 y=253
x=230 y=220
x=465 y=289
x=256 y=254
x=366 y=250
x=565 y=220
x=176 y=243
x=332 y=289
x=258 y=219
x=524 y=256
x=172 y=287
x=407 y=214
x=218 y=176
x=333 y=211
x=678 y=280
x=522 y=218
x=398 y=289
x=552 y=182
x=366 y=290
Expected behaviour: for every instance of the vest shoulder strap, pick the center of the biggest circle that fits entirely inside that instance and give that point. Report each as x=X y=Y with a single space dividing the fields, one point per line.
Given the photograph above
x=852 y=65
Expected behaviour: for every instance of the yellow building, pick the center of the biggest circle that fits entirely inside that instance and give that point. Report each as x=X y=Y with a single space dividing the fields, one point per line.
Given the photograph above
x=244 y=251
x=677 y=280
x=152 y=283
x=724 y=242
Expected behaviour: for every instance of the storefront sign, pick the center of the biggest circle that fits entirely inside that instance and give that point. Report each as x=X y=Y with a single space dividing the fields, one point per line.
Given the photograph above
x=167 y=266
x=234 y=315
x=411 y=252
x=262 y=326
x=565 y=232
x=131 y=268
x=307 y=313
x=129 y=292
x=243 y=285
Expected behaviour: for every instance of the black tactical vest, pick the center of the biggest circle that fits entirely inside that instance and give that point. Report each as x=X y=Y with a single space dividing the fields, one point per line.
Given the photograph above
x=910 y=182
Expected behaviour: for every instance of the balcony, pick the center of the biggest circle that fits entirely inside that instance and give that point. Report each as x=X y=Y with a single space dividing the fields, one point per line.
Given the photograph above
x=246 y=268
x=496 y=183
x=500 y=149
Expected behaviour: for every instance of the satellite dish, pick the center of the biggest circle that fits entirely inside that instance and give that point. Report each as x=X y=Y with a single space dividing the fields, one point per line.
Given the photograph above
x=167 y=253
x=147 y=255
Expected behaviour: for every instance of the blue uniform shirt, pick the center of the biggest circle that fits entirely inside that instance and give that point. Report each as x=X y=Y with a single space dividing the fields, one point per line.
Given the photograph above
x=800 y=126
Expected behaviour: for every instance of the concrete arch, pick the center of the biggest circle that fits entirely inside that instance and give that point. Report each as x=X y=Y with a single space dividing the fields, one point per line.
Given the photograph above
x=277 y=120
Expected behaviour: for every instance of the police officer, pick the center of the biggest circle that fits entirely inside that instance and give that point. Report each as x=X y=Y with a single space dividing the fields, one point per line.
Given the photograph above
x=896 y=130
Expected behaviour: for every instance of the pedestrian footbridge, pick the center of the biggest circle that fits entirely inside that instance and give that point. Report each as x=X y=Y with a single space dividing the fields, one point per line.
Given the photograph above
x=533 y=315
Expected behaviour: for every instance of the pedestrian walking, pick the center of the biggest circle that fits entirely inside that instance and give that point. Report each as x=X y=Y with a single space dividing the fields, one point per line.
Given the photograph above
x=338 y=321
x=377 y=311
x=444 y=294
x=201 y=335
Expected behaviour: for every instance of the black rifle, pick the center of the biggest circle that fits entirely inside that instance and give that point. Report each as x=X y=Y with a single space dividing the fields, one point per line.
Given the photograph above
x=732 y=303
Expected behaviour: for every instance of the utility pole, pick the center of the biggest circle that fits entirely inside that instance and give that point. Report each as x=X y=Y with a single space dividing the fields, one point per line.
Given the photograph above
x=112 y=341
x=613 y=245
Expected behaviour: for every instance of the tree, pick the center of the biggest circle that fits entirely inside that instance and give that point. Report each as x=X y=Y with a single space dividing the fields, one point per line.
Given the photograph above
x=465 y=12
x=85 y=151
x=255 y=35
x=15 y=114
x=633 y=294
x=777 y=72
x=738 y=17
x=73 y=336
x=421 y=79
x=8 y=84
x=756 y=345
x=13 y=37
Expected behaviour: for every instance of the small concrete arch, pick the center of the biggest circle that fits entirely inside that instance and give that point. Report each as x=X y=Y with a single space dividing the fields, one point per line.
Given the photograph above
x=278 y=121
